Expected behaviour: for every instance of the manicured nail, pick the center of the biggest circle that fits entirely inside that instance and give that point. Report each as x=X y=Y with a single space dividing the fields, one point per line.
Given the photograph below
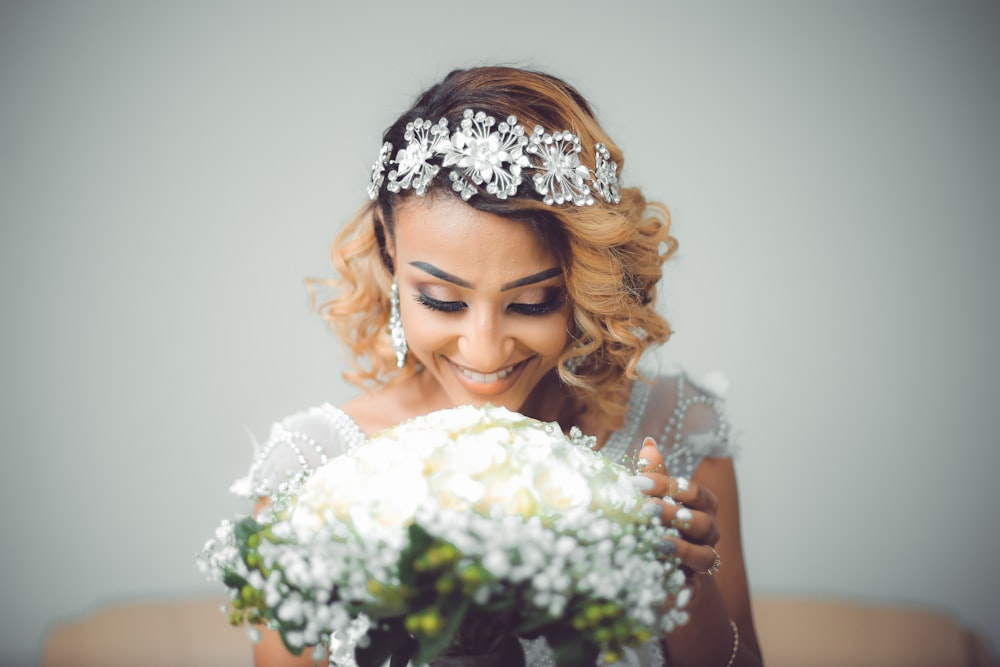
x=667 y=547
x=651 y=509
x=643 y=483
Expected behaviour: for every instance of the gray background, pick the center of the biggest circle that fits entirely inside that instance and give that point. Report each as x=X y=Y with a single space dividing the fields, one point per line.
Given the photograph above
x=170 y=173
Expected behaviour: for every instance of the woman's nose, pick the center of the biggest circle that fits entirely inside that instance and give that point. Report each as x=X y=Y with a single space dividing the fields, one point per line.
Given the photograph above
x=485 y=345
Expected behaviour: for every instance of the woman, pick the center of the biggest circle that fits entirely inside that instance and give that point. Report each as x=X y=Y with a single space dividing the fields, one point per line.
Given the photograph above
x=500 y=261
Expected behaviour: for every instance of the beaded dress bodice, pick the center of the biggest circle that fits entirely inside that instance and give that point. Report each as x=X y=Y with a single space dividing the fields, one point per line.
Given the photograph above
x=686 y=420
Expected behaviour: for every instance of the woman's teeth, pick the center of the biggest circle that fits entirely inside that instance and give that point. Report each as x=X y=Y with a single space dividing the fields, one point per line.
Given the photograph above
x=488 y=377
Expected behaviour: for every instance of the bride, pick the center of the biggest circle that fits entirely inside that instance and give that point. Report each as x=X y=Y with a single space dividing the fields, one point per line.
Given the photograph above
x=499 y=260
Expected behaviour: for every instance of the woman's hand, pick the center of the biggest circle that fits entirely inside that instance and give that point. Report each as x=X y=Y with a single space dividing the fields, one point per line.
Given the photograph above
x=684 y=505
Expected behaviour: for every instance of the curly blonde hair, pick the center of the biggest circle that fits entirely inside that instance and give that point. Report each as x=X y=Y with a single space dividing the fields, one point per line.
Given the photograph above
x=611 y=254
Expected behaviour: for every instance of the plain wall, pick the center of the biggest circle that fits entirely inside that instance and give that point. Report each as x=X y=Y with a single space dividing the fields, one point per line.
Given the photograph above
x=171 y=172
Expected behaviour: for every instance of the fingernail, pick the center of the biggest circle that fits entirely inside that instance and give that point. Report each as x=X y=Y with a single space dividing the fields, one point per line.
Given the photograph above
x=667 y=547
x=643 y=483
x=651 y=509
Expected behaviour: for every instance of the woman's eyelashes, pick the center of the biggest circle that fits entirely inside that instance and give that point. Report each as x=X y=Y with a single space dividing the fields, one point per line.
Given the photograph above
x=544 y=308
x=551 y=303
x=438 y=305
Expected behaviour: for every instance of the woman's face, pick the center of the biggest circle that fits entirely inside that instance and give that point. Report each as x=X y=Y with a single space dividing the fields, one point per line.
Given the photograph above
x=482 y=300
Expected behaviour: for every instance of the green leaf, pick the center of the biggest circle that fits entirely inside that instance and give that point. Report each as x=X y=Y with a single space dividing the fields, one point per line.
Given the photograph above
x=432 y=646
x=233 y=580
x=419 y=542
x=245 y=528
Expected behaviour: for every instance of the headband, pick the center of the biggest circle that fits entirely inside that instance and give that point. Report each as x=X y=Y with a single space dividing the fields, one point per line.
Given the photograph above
x=496 y=157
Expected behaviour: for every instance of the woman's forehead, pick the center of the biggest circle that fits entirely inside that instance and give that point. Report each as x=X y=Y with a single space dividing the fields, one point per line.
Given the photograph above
x=457 y=234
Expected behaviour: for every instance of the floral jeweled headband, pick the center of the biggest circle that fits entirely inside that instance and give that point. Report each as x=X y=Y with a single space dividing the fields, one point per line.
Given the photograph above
x=497 y=157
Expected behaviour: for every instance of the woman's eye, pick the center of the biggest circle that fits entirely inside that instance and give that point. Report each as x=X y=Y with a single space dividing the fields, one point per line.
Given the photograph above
x=540 y=308
x=543 y=308
x=438 y=305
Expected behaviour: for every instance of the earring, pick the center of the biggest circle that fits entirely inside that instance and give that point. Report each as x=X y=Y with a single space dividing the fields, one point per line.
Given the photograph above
x=396 y=326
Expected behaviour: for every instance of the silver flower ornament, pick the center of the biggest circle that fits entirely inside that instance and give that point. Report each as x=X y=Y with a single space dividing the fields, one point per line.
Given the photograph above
x=560 y=177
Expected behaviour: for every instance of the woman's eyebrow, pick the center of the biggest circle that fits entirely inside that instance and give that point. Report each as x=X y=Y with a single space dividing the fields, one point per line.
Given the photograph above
x=532 y=279
x=455 y=280
x=443 y=275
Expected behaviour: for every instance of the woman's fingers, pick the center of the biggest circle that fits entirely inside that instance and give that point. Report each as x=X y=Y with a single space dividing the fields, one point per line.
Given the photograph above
x=679 y=502
x=692 y=494
x=694 y=525
x=678 y=489
x=699 y=558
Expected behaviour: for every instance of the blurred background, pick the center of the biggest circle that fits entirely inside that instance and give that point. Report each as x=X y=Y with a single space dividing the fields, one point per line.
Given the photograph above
x=170 y=173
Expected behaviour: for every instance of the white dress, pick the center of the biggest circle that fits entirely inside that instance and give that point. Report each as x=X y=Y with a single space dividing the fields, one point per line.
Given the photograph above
x=686 y=420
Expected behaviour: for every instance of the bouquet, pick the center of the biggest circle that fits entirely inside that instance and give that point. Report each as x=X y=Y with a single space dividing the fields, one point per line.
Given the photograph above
x=454 y=533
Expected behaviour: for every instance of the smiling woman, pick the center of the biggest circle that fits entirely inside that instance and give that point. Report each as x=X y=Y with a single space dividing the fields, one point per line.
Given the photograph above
x=500 y=260
x=482 y=301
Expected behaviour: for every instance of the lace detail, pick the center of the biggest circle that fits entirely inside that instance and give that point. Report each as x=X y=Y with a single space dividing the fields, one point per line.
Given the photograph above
x=298 y=444
x=697 y=428
x=617 y=446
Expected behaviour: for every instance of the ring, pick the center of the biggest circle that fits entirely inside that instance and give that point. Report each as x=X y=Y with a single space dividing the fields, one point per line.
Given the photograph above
x=716 y=563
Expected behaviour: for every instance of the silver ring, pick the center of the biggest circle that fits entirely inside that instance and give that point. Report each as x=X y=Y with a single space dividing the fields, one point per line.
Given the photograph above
x=716 y=563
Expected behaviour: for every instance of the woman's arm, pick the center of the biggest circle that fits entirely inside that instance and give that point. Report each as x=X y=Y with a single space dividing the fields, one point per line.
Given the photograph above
x=719 y=600
x=708 y=638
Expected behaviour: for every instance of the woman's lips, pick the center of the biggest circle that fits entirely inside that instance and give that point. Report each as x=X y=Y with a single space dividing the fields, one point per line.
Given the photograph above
x=488 y=383
x=486 y=377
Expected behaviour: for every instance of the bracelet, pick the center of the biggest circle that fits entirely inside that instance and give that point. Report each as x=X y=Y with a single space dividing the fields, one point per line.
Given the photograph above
x=736 y=643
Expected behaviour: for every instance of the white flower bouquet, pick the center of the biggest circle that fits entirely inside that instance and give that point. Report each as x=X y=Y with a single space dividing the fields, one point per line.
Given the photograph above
x=454 y=533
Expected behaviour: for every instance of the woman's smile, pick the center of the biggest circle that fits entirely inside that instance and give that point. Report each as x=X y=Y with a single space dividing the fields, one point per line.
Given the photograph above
x=488 y=384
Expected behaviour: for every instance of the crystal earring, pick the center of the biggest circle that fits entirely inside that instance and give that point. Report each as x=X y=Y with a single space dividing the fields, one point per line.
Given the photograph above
x=396 y=326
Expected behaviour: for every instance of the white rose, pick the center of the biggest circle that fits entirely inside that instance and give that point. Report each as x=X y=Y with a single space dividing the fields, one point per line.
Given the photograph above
x=456 y=491
x=507 y=493
x=468 y=456
x=396 y=495
x=333 y=488
x=561 y=488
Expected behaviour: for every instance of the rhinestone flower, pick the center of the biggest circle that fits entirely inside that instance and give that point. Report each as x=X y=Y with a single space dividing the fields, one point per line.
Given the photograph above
x=559 y=175
x=485 y=156
x=413 y=166
x=606 y=174
x=378 y=170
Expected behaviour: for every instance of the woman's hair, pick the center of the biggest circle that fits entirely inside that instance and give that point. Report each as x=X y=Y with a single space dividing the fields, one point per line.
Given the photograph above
x=611 y=253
